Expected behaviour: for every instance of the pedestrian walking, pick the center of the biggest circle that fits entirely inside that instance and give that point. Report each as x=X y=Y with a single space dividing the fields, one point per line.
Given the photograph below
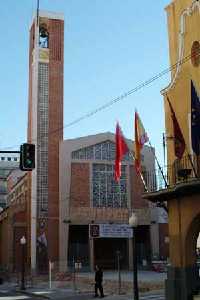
x=98 y=281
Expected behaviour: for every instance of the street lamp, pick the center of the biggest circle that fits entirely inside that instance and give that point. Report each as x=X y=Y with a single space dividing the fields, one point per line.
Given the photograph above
x=133 y=222
x=23 y=243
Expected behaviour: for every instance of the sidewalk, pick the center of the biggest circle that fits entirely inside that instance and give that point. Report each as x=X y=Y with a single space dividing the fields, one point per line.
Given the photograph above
x=72 y=295
x=151 y=286
x=143 y=276
x=147 y=281
x=43 y=291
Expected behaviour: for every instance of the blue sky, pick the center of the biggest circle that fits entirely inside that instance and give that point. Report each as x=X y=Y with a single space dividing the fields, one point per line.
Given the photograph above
x=111 y=46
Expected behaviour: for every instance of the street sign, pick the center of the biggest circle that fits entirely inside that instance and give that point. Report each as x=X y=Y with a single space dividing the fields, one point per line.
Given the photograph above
x=110 y=231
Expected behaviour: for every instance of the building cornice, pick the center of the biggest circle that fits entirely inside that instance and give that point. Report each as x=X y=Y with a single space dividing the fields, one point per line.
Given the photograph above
x=181 y=38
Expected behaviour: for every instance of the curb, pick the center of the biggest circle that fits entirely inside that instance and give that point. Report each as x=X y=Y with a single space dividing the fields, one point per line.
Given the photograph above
x=79 y=293
x=32 y=294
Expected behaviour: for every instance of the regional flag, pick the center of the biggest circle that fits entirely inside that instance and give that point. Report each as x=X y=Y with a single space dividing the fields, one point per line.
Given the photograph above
x=179 y=142
x=121 y=150
x=195 y=120
x=140 y=139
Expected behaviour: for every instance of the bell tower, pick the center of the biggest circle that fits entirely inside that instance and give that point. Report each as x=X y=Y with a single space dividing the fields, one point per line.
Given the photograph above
x=45 y=123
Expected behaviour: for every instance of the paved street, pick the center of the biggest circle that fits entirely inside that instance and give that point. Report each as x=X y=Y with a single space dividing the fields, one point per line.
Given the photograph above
x=148 y=296
x=9 y=292
x=152 y=297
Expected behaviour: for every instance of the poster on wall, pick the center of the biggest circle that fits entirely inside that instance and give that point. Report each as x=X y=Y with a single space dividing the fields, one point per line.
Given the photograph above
x=42 y=250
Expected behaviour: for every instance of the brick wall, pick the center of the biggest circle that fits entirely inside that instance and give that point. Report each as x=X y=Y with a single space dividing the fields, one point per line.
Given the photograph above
x=80 y=185
x=56 y=45
x=137 y=188
x=4 y=241
x=18 y=233
x=80 y=196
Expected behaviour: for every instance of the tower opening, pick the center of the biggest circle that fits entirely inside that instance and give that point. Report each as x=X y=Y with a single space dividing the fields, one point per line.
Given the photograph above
x=43 y=36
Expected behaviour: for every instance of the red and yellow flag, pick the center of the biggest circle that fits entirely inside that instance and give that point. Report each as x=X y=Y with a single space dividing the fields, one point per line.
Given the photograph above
x=121 y=150
x=140 y=139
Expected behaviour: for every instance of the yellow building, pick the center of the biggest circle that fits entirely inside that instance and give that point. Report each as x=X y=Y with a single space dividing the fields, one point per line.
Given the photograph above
x=183 y=199
x=184 y=35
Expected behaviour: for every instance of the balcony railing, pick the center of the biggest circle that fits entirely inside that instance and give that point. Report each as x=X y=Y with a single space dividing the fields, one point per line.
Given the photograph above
x=184 y=170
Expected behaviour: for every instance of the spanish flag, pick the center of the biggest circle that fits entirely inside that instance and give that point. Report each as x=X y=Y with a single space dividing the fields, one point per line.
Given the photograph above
x=140 y=139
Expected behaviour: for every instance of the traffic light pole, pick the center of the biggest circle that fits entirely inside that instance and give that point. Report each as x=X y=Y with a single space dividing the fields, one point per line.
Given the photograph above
x=27 y=156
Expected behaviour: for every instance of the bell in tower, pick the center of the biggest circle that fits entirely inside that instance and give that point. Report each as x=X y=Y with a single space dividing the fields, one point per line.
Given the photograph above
x=43 y=36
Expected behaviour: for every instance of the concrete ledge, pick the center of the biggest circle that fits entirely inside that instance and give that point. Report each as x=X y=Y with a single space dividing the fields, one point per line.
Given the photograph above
x=180 y=189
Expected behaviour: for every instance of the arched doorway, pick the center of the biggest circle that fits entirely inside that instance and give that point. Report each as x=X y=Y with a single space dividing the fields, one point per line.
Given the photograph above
x=198 y=254
x=183 y=201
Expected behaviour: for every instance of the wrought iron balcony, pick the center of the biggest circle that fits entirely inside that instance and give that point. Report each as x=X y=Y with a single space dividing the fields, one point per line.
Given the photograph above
x=181 y=171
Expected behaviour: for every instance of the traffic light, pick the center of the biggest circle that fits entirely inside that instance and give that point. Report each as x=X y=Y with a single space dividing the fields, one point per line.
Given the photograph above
x=27 y=157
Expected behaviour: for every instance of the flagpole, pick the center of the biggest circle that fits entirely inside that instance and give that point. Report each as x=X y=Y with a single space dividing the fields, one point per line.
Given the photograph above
x=191 y=162
x=160 y=204
x=180 y=133
x=190 y=146
x=38 y=6
x=121 y=149
x=141 y=176
x=164 y=148
x=161 y=171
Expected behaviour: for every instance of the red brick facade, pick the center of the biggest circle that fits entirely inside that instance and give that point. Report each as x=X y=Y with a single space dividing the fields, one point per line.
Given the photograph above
x=56 y=48
x=80 y=185
x=81 y=181
x=136 y=190
x=54 y=62
x=15 y=223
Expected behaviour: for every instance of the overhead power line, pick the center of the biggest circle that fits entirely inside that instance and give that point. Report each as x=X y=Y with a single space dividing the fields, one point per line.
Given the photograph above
x=121 y=97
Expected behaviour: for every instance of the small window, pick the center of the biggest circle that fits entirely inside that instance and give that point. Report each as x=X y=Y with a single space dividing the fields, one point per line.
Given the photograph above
x=15 y=158
x=195 y=54
x=9 y=158
x=2 y=158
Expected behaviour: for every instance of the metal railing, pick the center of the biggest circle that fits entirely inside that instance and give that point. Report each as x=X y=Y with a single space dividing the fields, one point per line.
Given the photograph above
x=184 y=170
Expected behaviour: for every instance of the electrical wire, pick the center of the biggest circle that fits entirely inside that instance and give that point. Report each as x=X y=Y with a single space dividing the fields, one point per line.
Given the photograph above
x=119 y=98
x=122 y=96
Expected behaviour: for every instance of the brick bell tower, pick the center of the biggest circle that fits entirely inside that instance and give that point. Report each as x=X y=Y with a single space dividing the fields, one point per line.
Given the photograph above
x=45 y=123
